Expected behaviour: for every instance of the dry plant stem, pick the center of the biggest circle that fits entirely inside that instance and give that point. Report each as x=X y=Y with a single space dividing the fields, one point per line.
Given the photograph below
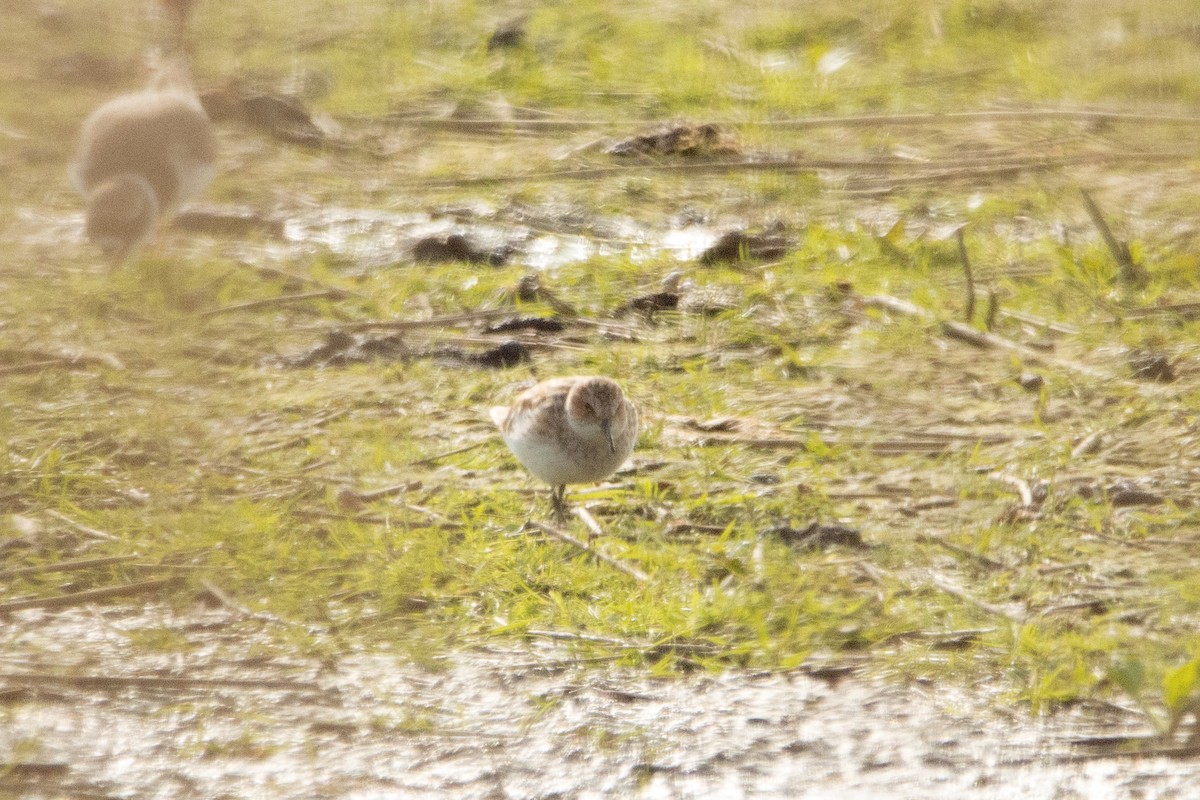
x=67 y=566
x=594 y=529
x=589 y=637
x=1044 y=324
x=928 y=172
x=114 y=682
x=982 y=560
x=1088 y=444
x=1020 y=485
x=1182 y=309
x=850 y=121
x=45 y=361
x=283 y=300
x=965 y=333
x=433 y=459
x=91 y=595
x=399 y=488
x=958 y=592
x=567 y=538
x=441 y=519
x=224 y=599
x=275 y=272
x=993 y=309
x=37 y=366
x=969 y=310
x=446 y=321
x=1127 y=271
x=84 y=529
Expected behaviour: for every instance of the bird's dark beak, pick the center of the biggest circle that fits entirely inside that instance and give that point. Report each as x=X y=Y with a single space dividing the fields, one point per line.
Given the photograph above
x=608 y=434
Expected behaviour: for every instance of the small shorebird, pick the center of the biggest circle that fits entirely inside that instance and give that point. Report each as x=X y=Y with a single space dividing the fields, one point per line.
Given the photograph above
x=141 y=156
x=569 y=430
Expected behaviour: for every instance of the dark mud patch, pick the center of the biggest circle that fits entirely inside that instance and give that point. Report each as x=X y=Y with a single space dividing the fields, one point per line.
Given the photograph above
x=89 y=713
x=680 y=140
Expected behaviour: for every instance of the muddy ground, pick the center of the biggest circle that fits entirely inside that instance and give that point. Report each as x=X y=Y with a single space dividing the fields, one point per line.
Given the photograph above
x=93 y=716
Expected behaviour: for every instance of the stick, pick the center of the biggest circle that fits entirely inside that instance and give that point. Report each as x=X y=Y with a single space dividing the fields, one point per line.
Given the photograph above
x=955 y=591
x=965 y=333
x=1045 y=324
x=45 y=360
x=1088 y=444
x=969 y=312
x=1183 y=309
x=1021 y=486
x=334 y=294
x=67 y=566
x=433 y=459
x=562 y=536
x=594 y=529
x=446 y=321
x=950 y=170
x=224 y=599
x=79 y=598
x=1127 y=271
x=854 y=121
x=36 y=366
x=116 y=682
x=292 y=276
x=84 y=529
x=993 y=308
x=389 y=491
x=978 y=558
x=569 y=636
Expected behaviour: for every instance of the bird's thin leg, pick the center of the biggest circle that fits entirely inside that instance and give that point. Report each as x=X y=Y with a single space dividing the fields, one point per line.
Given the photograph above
x=558 y=498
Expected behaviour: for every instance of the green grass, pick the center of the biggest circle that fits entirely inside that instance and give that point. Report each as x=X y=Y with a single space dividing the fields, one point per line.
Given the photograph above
x=196 y=449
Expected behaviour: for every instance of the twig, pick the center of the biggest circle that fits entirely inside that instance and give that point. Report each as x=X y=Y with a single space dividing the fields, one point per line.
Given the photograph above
x=388 y=491
x=854 y=121
x=1183 y=309
x=758 y=562
x=562 y=536
x=79 y=598
x=1088 y=444
x=67 y=566
x=1127 y=271
x=993 y=308
x=932 y=171
x=594 y=529
x=969 y=311
x=35 y=366
x=1020 y=485
x=963 y=552
x=300 y=438
x=117 y=682
x=430 y=460
x=275 y=272
x=446 y=321
x=44 y=360
x=334 y=294
x=434 y=515
x=84 y=529
x=224 y=599
x=956 y=591
x=569 y=636
x=982 y=339
x=1045 y=324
